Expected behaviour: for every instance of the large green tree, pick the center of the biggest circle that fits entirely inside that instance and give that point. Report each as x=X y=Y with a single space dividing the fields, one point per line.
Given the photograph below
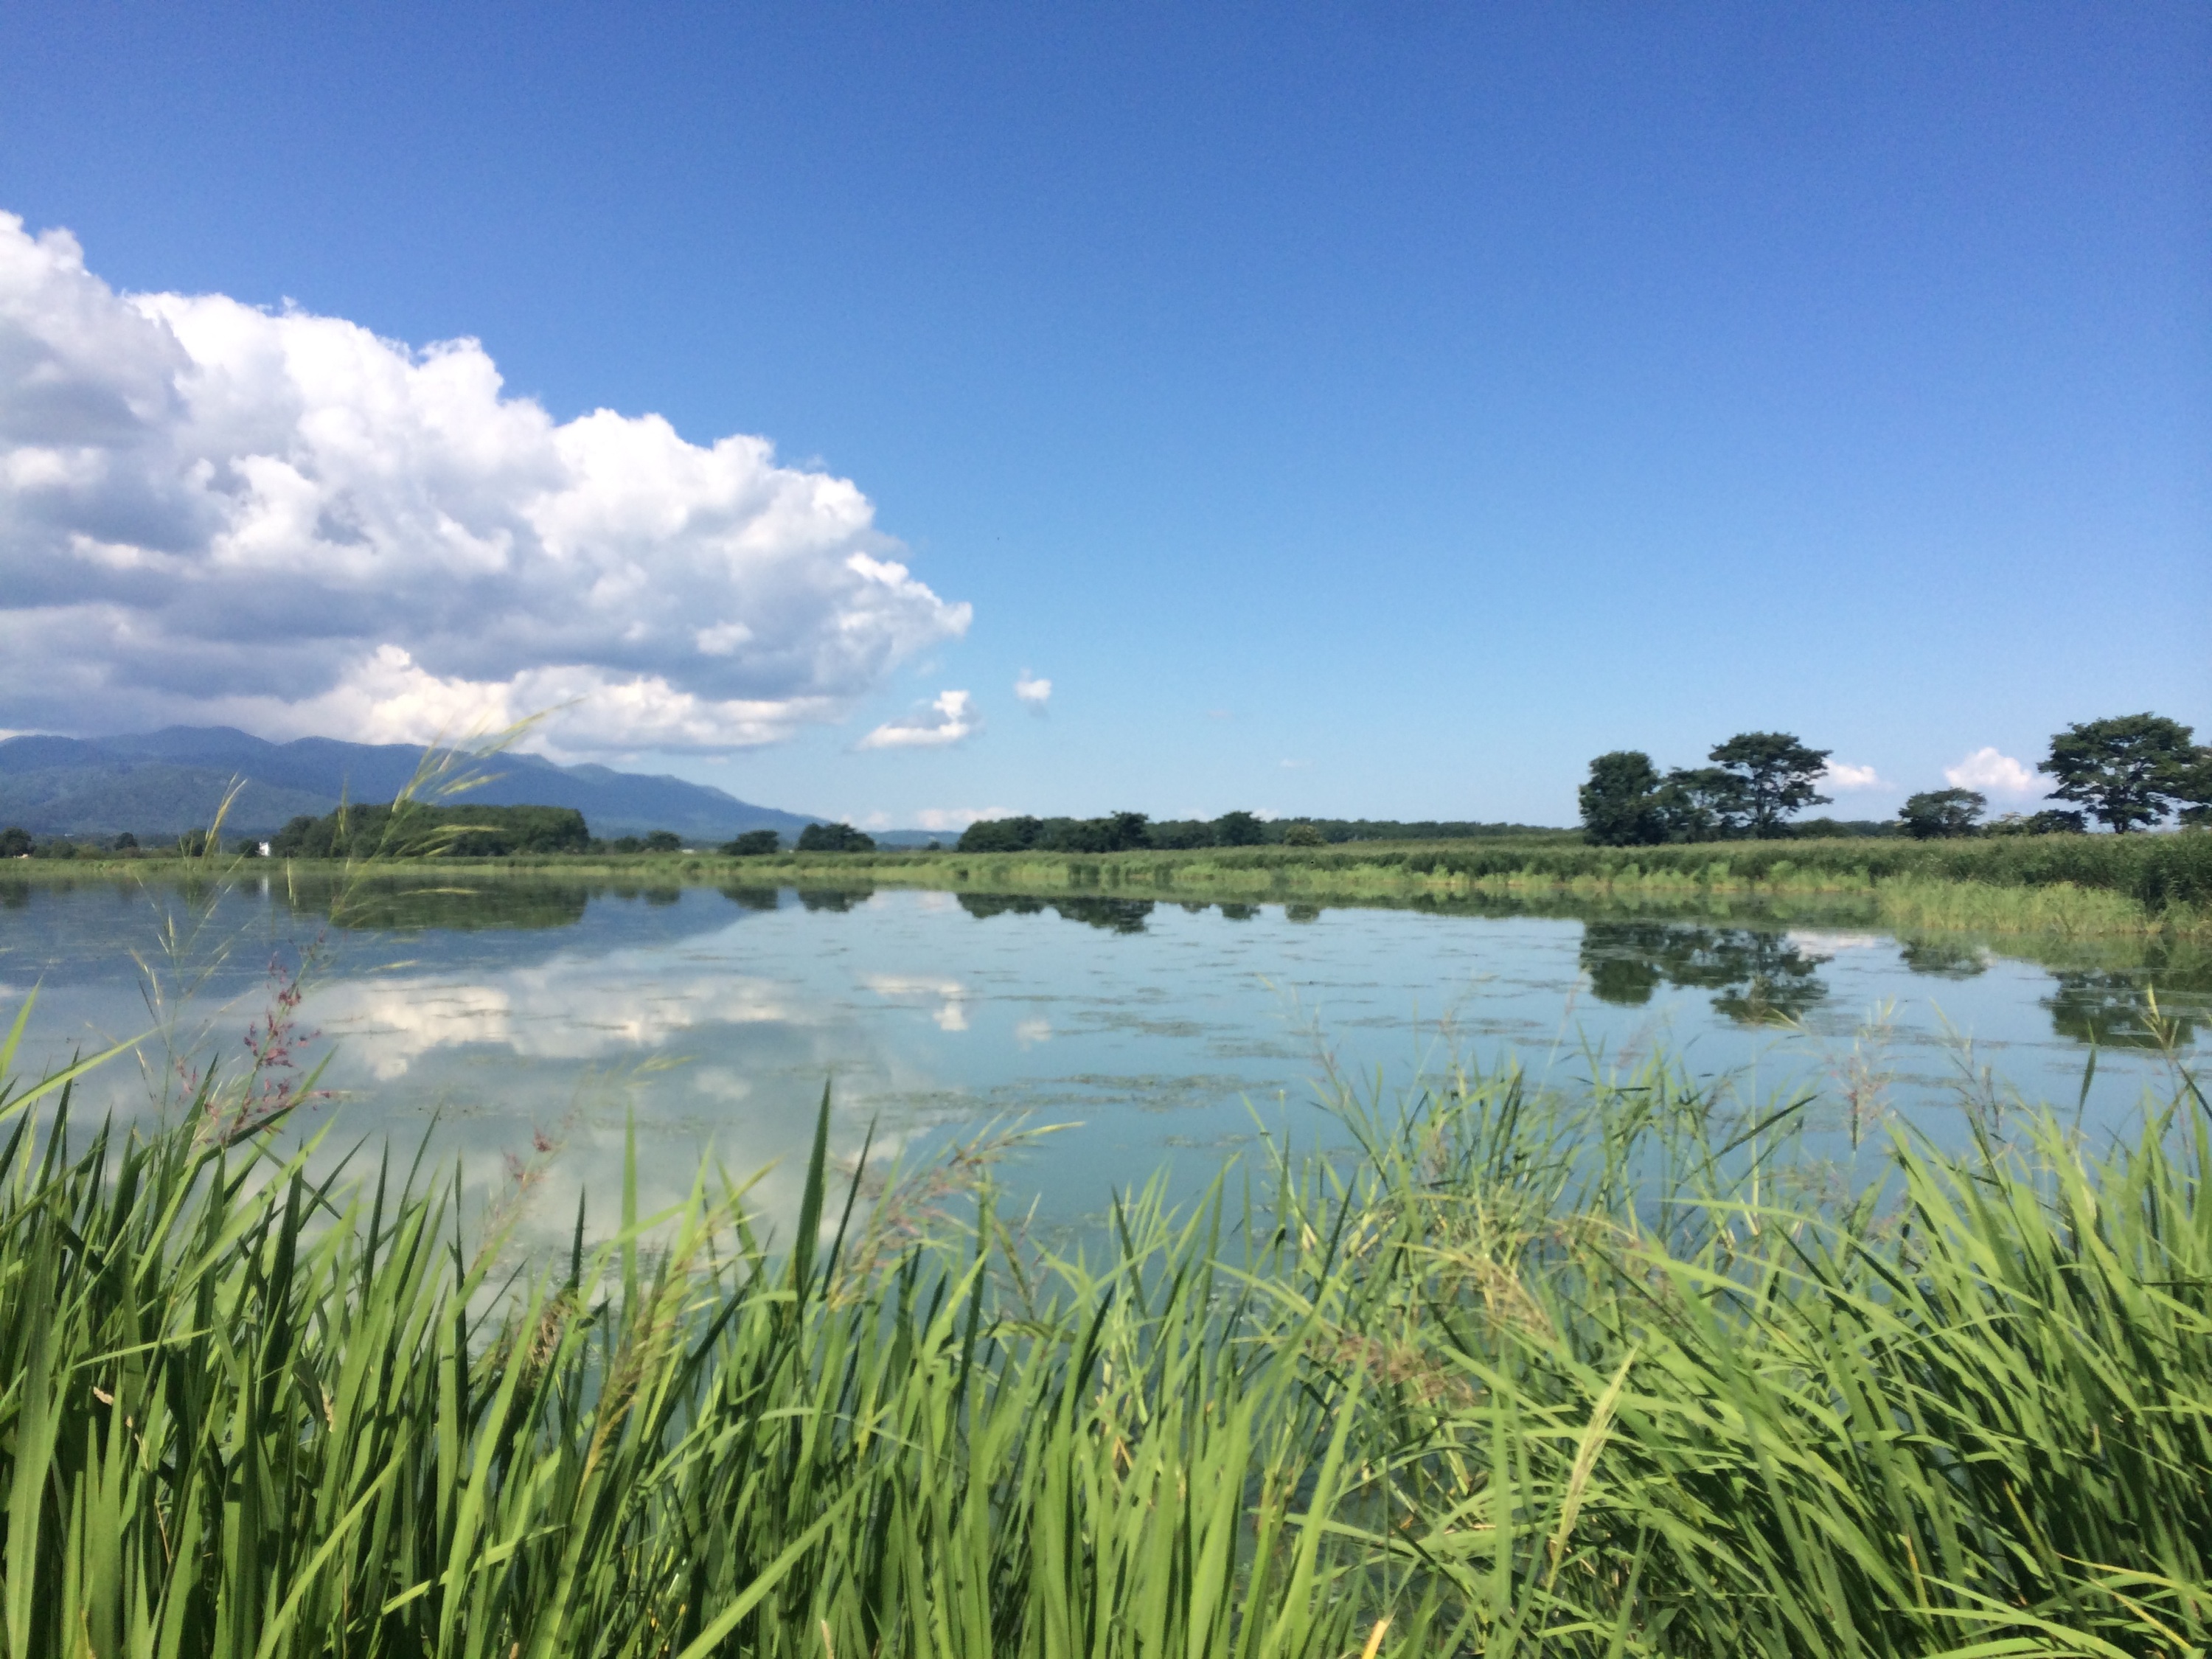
x=1239 y=829
x=1620 y=802
x=835 y=838
x=1001 y=835
x=2127 y=771
x=2196 y=788
x=1702 y=803
x=1935 y=814
x=1777 y=773
x=1125 y=831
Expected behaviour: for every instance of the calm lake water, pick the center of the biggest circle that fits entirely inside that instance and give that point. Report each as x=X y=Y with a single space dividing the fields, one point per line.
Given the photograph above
x=524 y=1014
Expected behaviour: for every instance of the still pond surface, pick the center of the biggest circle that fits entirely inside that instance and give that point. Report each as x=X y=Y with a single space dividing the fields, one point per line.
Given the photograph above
x=520 y=1015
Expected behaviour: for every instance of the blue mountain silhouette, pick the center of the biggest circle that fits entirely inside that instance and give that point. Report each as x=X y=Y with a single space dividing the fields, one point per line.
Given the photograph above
x=161 y=783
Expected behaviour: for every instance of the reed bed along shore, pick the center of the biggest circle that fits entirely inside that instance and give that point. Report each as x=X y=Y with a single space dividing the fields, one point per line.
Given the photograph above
x=1617 y=1369
x=2072 y=884
x=2092 y=886
x=2156 y=870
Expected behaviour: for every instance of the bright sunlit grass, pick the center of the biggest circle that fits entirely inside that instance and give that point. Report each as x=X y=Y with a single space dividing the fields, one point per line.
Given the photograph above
x=1615 y=1369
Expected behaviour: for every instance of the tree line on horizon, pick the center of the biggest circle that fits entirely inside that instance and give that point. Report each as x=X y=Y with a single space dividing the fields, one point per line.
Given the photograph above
x=2129 y=772
x=1122 y=832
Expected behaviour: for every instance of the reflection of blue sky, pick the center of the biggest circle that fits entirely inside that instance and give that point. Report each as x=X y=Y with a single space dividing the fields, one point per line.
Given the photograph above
x=718 y=1024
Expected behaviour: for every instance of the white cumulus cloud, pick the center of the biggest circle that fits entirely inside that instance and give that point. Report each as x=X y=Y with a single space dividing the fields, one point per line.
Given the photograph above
x=1842 y=774
x=1990 y=773
x=946 y=721
x=1035 y=691
x=212 y=512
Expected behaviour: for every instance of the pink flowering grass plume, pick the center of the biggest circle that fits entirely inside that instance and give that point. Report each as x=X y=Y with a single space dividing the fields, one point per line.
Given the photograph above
x=274 y=1085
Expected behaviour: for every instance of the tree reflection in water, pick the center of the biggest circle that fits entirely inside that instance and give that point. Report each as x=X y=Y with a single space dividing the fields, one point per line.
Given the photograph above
x=2112 y=1010
x=984 y=906
x=1760 y=976
x=1115 y=915
x=836 y=900
x=447 y=906
x=1943 y=958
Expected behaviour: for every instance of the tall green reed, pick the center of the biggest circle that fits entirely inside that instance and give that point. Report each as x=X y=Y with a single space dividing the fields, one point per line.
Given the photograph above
x=1583 y=1371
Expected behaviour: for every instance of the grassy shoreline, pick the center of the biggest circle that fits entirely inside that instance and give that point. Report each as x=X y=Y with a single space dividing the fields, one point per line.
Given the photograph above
x=1589 y=1372
x=2068 y=886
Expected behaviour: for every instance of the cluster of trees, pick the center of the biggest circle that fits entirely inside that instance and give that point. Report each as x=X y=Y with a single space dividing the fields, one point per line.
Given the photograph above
x=1123 y=832
x=2130 y=771
x=1756 y=781
x=1117 y=832
x=17 y=842
x=657 y=841
x=2127 y=773
x=416 y=828
x=830 y=838
x=814 y=838
x=754 y=844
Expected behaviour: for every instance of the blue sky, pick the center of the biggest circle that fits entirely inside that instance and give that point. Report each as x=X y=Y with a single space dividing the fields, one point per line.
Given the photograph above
x=1349 y=411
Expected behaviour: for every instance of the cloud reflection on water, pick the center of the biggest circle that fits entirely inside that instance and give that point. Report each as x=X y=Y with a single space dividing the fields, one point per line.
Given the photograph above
x=716 y=1014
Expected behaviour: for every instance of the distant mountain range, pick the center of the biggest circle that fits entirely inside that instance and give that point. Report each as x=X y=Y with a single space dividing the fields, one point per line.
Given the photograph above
x=163 y=783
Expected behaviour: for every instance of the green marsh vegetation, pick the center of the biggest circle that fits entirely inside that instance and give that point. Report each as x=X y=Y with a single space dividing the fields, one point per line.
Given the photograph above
x=1617 y=1367
x=2070 y=885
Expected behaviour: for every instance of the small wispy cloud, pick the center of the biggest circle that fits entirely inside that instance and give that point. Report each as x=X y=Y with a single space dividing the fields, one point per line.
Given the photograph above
x=1296 y=765
x=940 y=819
x=1842 y=774
x=945 y=721
x=1990 y=772
x=1035 y=691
